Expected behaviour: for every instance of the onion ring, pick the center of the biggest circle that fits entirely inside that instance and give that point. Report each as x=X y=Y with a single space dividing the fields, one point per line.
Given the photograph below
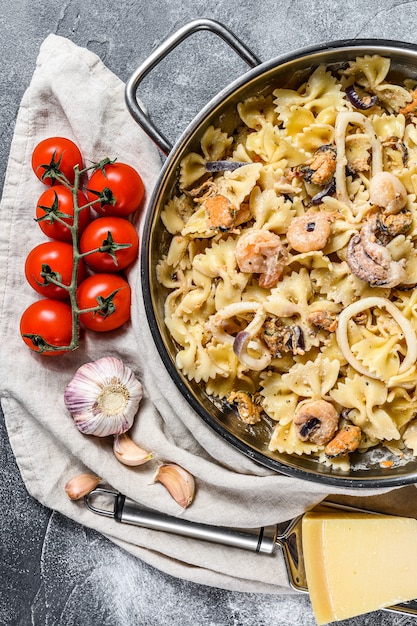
x=358 y=102
x=326 y=191
x=232 y=310
x=244 y=339
x=240 y=347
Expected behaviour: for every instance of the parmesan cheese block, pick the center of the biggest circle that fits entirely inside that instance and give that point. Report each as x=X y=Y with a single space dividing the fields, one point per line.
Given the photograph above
x=358 y=562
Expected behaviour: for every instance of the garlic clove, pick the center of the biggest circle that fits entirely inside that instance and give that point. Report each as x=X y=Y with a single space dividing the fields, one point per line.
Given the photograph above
x=178 y=481
x=80 y=485
x=128 y=452
x=103 y=397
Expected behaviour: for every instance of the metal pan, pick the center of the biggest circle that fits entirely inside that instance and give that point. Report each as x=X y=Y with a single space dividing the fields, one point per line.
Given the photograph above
x=285 y=536
x=286 y=70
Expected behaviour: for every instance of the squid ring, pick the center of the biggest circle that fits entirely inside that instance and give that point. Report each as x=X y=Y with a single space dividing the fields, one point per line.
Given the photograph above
x=402 y=321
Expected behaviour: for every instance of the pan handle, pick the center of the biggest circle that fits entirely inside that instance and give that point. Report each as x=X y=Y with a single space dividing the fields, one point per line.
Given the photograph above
x=132 y=103
x=126 y=511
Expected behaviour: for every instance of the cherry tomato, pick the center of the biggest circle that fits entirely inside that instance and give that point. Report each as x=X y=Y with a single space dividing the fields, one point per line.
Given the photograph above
x=48 y=321
x=54 y=156
x=54 y=259
x=57 y=201
x=119 y=187
x=107 y=233
x=98 y=289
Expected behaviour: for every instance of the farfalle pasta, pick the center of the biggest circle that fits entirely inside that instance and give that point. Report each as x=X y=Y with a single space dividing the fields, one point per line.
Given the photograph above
x=291 y=272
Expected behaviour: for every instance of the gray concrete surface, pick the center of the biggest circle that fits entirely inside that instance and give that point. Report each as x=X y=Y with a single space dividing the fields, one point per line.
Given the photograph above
x=52 y=571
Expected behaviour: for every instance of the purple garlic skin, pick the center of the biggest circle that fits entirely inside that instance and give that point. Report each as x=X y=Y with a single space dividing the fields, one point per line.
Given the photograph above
x=103 y=397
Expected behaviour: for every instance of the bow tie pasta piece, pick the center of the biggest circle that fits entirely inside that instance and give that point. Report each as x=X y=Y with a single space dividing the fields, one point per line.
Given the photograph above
x=219 y=263
x=279 y=401
x=271 y=144
x=215 y=144
x=290 y=298
x=313 y=379
x=176 y=213
x=256 y=111
x=270 y=210
x=237 y=185
x=193 y=358
x=284 y=439
x=372 y=72
x=321 y=91
x=410 y=436
x=366 y=397
x=336 y=284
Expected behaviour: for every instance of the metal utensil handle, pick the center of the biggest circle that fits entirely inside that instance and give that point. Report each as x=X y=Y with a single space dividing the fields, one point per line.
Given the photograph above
x=160 y=53
x=127 y=511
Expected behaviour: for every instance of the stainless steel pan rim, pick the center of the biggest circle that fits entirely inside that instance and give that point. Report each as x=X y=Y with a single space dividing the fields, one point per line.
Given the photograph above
x=405 y=55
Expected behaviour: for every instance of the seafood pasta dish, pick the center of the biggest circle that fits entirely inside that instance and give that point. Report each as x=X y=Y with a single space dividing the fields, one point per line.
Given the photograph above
x=292 y=264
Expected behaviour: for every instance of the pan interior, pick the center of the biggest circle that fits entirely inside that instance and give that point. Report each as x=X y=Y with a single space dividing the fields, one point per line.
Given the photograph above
x=253 y=441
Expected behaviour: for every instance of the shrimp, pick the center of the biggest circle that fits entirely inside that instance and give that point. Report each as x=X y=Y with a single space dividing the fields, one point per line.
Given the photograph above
x=310 y=232
x=346 y=440
x=316 y=421
x=261 y=252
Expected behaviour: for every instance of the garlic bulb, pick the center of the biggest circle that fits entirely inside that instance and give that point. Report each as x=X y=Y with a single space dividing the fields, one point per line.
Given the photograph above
x=128 y=452
x=178 y=481
x=103 y=397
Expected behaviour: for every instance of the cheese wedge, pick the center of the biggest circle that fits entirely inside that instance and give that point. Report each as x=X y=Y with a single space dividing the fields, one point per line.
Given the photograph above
x=358 y=562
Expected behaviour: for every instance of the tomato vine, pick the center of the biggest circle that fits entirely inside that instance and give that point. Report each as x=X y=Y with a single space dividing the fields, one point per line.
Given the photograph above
x=105 y=304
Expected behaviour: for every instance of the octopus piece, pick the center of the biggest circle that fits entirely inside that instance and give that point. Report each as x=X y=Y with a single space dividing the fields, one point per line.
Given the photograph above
x=379 y=272
x=248 y=407
x=261 y=252
x=370 y=261
x=346 y=440
x=310 y=232
x=323 y=319
x=388 y=192
x=316 y=421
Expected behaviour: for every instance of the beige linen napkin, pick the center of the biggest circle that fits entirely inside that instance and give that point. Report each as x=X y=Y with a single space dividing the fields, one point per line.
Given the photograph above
x=73 y=94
